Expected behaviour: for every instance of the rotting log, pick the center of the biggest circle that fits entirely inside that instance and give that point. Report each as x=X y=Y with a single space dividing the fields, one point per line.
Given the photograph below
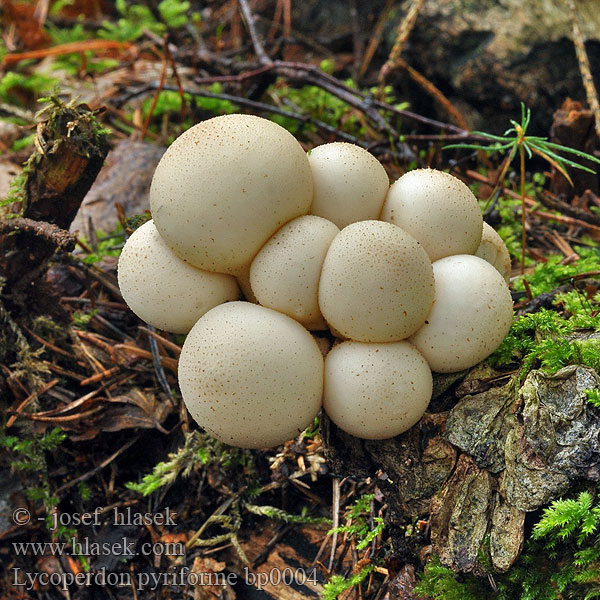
x=476 y=466
x=70 y=148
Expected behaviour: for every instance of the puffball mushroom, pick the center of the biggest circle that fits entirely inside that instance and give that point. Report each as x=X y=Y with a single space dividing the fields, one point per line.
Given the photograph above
x=376 y=283
x=350 y=183
x=162 y=289
x=284 y=275
x=225 y=186
x=493 y=250
x=376 y=391
x=438 y=210
x=471 y=314
x=251 y=376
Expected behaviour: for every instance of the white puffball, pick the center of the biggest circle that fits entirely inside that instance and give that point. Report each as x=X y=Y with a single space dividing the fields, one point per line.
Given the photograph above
x=251 y=376
x=376 y=283
x=162 y=289
x=350 y=183
x=285 y=274
x=438 y=210
x=376 y=391
x=471 y=314
x=493 y=250
x=225 y=186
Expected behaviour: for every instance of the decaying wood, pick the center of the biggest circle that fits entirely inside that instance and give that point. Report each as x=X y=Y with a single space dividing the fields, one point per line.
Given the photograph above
x=70 y=150
x=477 y=466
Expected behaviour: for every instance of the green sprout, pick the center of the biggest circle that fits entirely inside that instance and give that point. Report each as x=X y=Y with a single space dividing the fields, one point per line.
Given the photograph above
x=516 y=141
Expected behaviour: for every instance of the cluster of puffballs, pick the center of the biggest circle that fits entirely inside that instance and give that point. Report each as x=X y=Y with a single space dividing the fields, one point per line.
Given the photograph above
x=407 y=278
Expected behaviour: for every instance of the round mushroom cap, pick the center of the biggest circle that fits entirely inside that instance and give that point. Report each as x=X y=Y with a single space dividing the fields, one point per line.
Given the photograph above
x=471 y=314
x=251 y=376
x=225 y=186
x=376 y=391
x=350 y=183
x=376 y=283
x=285 y=274
x=438 y=210
x=493 y=250
x=164 y=290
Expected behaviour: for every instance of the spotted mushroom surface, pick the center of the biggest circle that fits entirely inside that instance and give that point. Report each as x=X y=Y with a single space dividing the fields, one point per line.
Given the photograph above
x=285 y=273
x=471 y=314
x=376 y=391
x=251 y=376
x=438 y=210
x=493 y=250
x=225 y=186
x=162 y=289
x=376 y=283
x=350 y=183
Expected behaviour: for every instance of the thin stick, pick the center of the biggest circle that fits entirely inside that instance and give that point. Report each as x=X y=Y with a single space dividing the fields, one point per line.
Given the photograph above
x=523 y=236
x=256 y=42
x=404 y=29
x=336 y=521
x=584 y=66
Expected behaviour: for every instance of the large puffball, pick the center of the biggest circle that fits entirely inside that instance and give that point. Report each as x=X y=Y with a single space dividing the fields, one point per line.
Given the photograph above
x=437 y=209
x=376 y=391
x=162 y=289
x=285 y=273
x=493 y=250
x=350 y=183
x=225 y=186
x=376 y=283
x=251 y=376
x=471 y=314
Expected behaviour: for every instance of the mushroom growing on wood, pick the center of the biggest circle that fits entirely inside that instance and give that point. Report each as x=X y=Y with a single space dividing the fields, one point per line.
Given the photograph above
x=164 y=290
x=350 y=183
x=376 y=391
x=471 y=314
x=438 y=210
x=376 y=284
x=285 y=273
x=251 y=376
x=225 y=186
x=493 y=249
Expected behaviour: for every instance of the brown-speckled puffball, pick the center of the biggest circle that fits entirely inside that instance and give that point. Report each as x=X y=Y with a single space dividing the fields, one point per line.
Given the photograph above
x=251 y=376
x=493 y=249
x=376 y=283
x=350 y=183
x=162 y=289
x=376 y=391
x=471 y=314
x=438 y=210
x=225 y=186
x=285 y=273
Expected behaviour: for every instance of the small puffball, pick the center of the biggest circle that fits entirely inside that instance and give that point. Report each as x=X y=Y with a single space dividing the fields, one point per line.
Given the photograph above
x=376 y=391
x=493 y=250
x=376 y=283
x=471 y=314
x=162 y=289
x=285 y=274
x=225 y=186
x=438 y=210
x=350 y=183
x=251 y=376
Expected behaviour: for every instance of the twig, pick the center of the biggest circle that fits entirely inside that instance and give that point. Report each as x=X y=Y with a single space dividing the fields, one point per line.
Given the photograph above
x=95 y=470
x=58 y=237
x=376 y=37
x=336 y=521
x=404 y=29
x=156 y=362
x=256 y=42
x=584 y=66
